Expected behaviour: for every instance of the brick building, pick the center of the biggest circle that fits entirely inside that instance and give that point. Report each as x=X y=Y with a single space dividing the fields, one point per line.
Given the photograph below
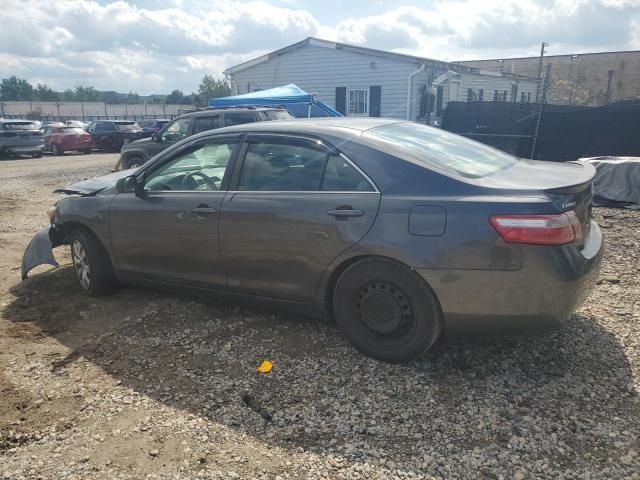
x=585 y=78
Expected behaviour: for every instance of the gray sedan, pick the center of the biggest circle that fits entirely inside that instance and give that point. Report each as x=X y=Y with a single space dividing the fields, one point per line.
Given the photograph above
x=397 y=230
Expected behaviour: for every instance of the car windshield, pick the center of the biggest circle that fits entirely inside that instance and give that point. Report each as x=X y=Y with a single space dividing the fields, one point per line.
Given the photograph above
x=72 y=130
x=126 y=126
x=146 y=123
x=20 y=126
x=442 y=149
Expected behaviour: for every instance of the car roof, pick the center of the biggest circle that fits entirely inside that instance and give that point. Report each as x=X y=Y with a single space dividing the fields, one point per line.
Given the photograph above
x=238 y=108
x=312 y=125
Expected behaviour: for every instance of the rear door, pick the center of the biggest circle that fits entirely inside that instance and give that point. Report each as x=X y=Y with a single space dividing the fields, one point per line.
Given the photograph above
x=295 y=205
x=204 y=123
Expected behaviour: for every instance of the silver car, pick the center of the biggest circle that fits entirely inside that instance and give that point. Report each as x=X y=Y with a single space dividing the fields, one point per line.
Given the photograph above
x=20 y=137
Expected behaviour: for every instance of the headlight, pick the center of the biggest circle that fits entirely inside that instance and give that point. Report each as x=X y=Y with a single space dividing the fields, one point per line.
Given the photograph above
x=52 y=212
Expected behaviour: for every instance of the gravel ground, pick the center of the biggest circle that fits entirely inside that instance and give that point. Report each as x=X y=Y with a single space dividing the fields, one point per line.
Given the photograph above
x=144 y=384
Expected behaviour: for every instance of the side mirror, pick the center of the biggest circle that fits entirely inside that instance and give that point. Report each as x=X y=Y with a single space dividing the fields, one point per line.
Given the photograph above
x=156 y=138
x=126 y=184
x=132 y=183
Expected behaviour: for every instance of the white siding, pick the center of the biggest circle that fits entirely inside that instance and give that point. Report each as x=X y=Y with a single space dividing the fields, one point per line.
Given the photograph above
x=320 y=70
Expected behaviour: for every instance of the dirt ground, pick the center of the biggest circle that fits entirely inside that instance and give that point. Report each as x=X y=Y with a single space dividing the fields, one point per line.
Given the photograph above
x=144 y=384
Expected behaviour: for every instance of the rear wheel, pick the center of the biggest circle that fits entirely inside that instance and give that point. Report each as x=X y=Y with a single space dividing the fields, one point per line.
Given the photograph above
x=91 y=263
x=86 y=151
x=106 y=144
x=386 y=310
x=37 y=155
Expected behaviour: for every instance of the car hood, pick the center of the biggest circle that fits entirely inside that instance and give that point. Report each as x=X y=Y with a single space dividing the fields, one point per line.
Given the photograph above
x=138 y=143
x=94 y=186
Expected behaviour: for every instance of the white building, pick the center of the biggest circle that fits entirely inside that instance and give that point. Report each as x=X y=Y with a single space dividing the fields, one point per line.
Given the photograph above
x=367 y=82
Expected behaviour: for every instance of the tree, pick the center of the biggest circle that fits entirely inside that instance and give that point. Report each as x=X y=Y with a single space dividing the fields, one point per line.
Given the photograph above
x=175 y=97
x=45 y=94
x=567 y=92
x=211 y=87
x=86 y=94
x=68 y=95
x=132 y=98
x=14 y=88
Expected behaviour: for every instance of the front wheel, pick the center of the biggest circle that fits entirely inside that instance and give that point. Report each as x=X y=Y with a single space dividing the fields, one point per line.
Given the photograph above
x=91 y=263
x=386 y=310
x=133 y=162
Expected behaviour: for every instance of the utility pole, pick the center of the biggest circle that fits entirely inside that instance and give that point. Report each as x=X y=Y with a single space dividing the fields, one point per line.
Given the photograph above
x=542 y=52
x=539 y=107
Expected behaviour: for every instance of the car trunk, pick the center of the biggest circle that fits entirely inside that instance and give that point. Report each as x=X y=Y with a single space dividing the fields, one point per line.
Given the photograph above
x=568 y=185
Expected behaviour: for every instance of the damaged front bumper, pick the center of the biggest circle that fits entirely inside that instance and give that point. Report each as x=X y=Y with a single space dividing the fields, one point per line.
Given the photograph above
x=40 y=250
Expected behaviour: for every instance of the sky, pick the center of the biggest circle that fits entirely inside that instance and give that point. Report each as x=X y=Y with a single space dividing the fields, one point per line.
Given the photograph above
x=155 y=46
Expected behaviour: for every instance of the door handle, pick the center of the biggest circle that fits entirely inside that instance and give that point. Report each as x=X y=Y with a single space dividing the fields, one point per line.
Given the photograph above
x=345 y=213
x=203 y=210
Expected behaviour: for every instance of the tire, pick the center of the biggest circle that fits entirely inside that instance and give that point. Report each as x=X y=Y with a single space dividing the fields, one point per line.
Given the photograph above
x=55 y=149
x=86 y=151
x=386 y=310
x=133 y=162
x=37 y=155
x=91 y=263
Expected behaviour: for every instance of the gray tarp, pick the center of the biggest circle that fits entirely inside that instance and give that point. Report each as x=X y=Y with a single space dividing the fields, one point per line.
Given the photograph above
x=617 y=179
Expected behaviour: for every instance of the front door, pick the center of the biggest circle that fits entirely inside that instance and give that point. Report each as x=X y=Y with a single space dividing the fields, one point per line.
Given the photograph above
x=296 y=205
x=170 y=232
x=173 y=132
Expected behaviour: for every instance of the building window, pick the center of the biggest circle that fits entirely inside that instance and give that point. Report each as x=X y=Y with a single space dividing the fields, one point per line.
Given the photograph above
x=481 y=94
x=470 y=95
x=358 y=102
x=525 y=97
x=499 y=96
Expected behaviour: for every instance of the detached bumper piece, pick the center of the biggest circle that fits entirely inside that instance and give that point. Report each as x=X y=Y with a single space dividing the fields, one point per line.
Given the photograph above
x=40 y=250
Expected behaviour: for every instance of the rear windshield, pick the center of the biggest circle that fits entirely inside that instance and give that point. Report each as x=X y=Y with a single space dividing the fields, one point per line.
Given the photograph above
x=20 y=126
x=124 y=126
x=442 y=149
x=72 y=130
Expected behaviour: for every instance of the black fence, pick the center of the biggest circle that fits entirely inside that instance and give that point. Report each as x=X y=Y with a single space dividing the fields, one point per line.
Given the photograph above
x=566 y=132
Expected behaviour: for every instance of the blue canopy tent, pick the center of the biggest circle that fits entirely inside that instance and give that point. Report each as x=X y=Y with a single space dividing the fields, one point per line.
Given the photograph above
x=291 y=97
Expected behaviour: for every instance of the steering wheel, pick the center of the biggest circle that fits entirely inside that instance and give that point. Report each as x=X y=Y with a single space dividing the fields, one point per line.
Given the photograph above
x=200 y=180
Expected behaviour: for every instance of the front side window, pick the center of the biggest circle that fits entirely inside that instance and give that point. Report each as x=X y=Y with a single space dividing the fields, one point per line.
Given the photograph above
x=202 y=124
x=358 y=102
x=177 y=130
x=200 y=168
x=238 y=118
x=439 y=148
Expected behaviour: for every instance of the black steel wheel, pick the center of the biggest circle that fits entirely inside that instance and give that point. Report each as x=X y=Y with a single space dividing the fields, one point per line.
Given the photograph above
x=386 y=310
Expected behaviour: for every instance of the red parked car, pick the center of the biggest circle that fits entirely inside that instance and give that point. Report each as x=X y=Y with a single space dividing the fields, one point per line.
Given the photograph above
x=64 y=139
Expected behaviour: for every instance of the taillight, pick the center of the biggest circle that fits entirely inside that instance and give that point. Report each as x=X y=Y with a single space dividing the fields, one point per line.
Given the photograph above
x=556 y=229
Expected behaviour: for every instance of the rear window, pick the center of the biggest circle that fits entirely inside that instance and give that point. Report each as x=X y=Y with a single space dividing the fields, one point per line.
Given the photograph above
x=277 y=115
x=72 y=130
x=442 y=149
x=146 y=123
x=238 y=118
x=20 y=126
x=125 y=126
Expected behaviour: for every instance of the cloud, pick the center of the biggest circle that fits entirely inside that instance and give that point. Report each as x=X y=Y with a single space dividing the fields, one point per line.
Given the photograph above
x=154 y=46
